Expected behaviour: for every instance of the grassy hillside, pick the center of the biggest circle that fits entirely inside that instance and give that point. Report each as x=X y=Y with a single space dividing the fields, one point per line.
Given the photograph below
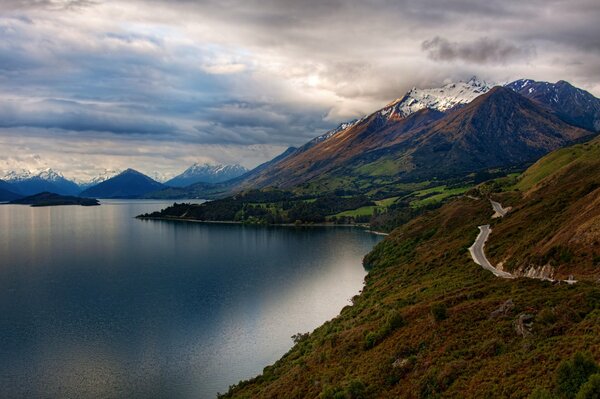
x=431 y=323
x=555 y=223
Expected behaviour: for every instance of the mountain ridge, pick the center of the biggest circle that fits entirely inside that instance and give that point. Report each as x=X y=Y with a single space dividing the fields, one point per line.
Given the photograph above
x=402 y=143
x=28 y=183
x=128 y=184
x=206 y=173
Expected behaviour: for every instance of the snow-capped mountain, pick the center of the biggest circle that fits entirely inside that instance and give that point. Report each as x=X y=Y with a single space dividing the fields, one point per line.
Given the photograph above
x=340 y=128
x=29 y=183
x=103 y=176
x=206 y=173
x=160 y=177
x=440 y=98
x=575 y=106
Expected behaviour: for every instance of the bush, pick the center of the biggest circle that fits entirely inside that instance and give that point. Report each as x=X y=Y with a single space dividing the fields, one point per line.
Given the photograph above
x=371 y=340
x=300 y=337
x=591 y=389
x=572 y=374
x=356 y=390
x=439 y=312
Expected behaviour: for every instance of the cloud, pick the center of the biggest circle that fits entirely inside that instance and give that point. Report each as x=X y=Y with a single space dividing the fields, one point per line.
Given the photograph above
x=53 y=5
x=230 y=75
x=481 y=51
x=74 y=116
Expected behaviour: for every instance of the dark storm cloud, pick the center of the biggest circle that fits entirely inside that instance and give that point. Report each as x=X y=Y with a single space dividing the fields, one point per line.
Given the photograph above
x=482 y=51
x=73 y=116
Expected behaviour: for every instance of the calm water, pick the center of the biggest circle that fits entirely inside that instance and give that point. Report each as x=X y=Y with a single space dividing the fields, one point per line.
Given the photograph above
x=94 y=303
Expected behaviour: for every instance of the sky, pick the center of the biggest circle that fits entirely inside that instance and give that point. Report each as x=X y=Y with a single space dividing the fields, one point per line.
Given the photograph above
x=156 y=85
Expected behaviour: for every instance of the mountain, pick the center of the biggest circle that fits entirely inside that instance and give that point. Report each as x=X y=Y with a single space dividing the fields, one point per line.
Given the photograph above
x=414 y=109
x=431 y=323
x=217 y=190
x=440 y=99
x=29 y=183
x=103 y=176
x=575 y=106
x=206 y=173
x=497 y=129
x=127 y=184
x=7 y=192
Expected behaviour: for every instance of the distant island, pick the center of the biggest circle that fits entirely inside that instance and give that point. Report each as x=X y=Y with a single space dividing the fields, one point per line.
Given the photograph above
x=51 y=199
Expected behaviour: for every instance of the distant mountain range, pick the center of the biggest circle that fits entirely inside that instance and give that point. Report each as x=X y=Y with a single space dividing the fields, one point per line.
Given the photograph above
x=206 y=173
x=25 y=182
x=127 y=184
x=427 y=134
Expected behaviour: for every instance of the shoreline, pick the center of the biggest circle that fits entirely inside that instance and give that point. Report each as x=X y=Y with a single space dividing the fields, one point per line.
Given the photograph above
x=365 y=227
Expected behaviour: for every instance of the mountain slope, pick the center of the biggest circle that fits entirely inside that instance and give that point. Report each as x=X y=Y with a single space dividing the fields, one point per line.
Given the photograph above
x=7 y=192
x=127 y=184
x=574 y=105
x=431 y=323
x=28 y=183
x=372 y=133
x=105 y=175
x=499 y=128
x=206 y=173
x=560 y=205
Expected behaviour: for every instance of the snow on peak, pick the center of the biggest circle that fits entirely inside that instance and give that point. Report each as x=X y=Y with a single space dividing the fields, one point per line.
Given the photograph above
x=24 y=174
x=50 y=175
x=439 y=98
x=212 y=169
x=103 y=176
x=17 y=175
x=341 y=127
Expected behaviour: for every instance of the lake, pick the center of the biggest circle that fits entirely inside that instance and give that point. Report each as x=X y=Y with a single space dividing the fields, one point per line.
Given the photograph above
x=95 y=303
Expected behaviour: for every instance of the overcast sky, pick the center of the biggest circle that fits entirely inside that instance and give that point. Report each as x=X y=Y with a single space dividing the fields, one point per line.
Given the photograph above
x=88 y=85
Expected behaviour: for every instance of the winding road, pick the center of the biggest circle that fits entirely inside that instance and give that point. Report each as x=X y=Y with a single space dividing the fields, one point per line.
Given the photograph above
x=478 y=254
x=500 y=212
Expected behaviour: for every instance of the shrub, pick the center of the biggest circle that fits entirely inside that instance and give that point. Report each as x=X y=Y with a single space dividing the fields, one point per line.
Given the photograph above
x=572 y=374
x=371 y=339
x=356 y=390
x=439 y=312
x=300 y=337
x=591 y=389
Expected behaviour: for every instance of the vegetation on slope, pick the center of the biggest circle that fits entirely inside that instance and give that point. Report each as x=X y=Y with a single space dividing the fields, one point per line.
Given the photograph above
x=431 y=323
x=554 y=226
x=51 y=199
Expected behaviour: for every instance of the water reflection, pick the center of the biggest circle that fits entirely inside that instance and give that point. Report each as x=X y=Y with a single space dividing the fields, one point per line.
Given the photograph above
x=95 y=303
